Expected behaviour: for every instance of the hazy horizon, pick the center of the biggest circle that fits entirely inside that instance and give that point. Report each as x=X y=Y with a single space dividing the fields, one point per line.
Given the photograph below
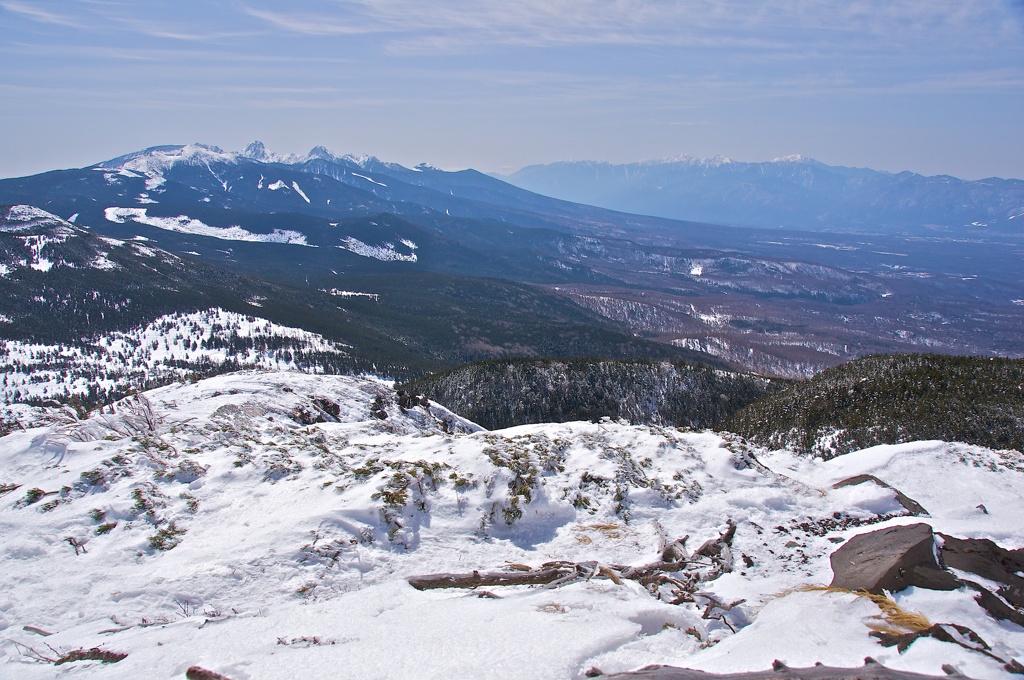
x=934 y=88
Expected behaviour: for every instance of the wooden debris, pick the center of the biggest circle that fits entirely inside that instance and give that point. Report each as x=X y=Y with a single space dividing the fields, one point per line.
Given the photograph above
x=674 y=578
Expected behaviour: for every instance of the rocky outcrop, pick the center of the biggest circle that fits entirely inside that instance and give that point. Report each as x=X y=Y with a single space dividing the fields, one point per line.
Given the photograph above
x=871 y=670
x=912 y=506
x=891 y=559
x=912 y=555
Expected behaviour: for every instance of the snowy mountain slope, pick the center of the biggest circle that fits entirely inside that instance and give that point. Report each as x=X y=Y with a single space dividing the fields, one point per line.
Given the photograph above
x=771 y=300
x=68 y=293
x=263 y=524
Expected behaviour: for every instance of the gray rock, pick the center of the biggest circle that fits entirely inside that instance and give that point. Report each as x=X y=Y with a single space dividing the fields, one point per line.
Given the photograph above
x=986 y=559
x=871 y=670
x=912 y=506
x=890 y=559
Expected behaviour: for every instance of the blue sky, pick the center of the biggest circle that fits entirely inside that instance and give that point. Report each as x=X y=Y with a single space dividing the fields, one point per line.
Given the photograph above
x=934 y=86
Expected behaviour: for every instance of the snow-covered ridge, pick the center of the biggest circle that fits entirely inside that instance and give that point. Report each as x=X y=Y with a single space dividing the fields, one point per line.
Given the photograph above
x=21 y=218
x=687 y=159
x=153 y=162
x=187 y=225
x=263 y=524
x=169 y=348
x=31 y=235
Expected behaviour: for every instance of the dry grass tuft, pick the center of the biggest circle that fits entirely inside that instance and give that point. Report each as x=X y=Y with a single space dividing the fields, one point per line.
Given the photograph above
x=611 y=531
x=893 y=619
x=553 y=608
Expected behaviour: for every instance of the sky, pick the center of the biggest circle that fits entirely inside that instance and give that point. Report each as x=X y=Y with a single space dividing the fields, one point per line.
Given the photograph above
x=932 y=86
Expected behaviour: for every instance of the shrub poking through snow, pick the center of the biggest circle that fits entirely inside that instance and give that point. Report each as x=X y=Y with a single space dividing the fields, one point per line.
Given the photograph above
x=166 y=538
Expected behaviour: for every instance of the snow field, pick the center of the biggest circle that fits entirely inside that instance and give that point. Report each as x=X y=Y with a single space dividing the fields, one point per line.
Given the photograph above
x=187 y=225
x=294 y=539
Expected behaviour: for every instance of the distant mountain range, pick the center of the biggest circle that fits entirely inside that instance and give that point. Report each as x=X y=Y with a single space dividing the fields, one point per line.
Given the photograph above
x=793 y=192
x=412 y=270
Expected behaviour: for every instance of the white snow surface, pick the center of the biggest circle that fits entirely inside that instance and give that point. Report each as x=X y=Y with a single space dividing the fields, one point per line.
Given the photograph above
x=368 y=179
x=300 y=192
x=292 y=541
x=187 y=225
x=385 y=253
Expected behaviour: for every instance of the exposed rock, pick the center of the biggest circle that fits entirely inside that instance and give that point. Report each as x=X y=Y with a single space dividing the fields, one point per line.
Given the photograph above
x=996 y=608
x=200 y=673
x=894 y=558
x=871 y=670
x=986 y=559
x=890 y=559
x=912 y=506
x=945 y=632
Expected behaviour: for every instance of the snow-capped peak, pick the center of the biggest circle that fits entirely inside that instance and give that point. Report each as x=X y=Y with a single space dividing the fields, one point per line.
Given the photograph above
x=320 y=152
x=155 y=160
x=361 y=159
x=258 y=152
x=793 y=158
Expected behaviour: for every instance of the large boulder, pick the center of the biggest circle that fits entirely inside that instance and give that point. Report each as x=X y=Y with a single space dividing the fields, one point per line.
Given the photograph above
x=891 y=559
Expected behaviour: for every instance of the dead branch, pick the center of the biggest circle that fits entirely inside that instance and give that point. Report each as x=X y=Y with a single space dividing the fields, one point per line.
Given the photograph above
x=200 y=673
x=674 y=578
x=476 y=579
x=36 y=630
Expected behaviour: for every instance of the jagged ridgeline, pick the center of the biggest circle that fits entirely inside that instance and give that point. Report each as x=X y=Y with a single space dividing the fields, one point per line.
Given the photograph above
x=504 y=393
x=889 y=399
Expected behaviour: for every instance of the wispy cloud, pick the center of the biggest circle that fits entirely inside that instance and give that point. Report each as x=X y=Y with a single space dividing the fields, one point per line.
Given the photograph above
x=36 y=13
x=457 y=25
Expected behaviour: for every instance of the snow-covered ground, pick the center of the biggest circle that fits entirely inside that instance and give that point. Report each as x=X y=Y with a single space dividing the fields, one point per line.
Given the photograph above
x=218 y=524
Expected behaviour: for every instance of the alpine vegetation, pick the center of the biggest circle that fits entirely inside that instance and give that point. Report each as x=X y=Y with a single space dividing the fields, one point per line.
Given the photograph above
x=890 y=399
x=262 y=524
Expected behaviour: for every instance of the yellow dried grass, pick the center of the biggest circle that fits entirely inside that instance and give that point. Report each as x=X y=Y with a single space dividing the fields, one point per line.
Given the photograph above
x=893 y=619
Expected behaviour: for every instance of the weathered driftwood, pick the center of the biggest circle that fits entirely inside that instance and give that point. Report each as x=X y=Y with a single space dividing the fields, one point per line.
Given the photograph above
x=871 y=670
x=680 y=575
x=475 y=579
x=200 y=673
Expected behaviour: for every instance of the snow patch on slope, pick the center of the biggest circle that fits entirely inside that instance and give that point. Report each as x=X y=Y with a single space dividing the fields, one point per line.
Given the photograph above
x=300 y=192
x=385 y=253
x=187 y=225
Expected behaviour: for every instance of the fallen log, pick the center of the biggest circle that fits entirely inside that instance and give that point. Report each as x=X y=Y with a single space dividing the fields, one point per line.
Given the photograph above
x=491 y=578
x=681 y=573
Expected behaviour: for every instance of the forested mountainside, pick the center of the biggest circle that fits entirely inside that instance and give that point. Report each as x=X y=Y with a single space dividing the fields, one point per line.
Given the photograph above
x=422 y=244
x=890 y=399
x=91 y=317
x=498 y=394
